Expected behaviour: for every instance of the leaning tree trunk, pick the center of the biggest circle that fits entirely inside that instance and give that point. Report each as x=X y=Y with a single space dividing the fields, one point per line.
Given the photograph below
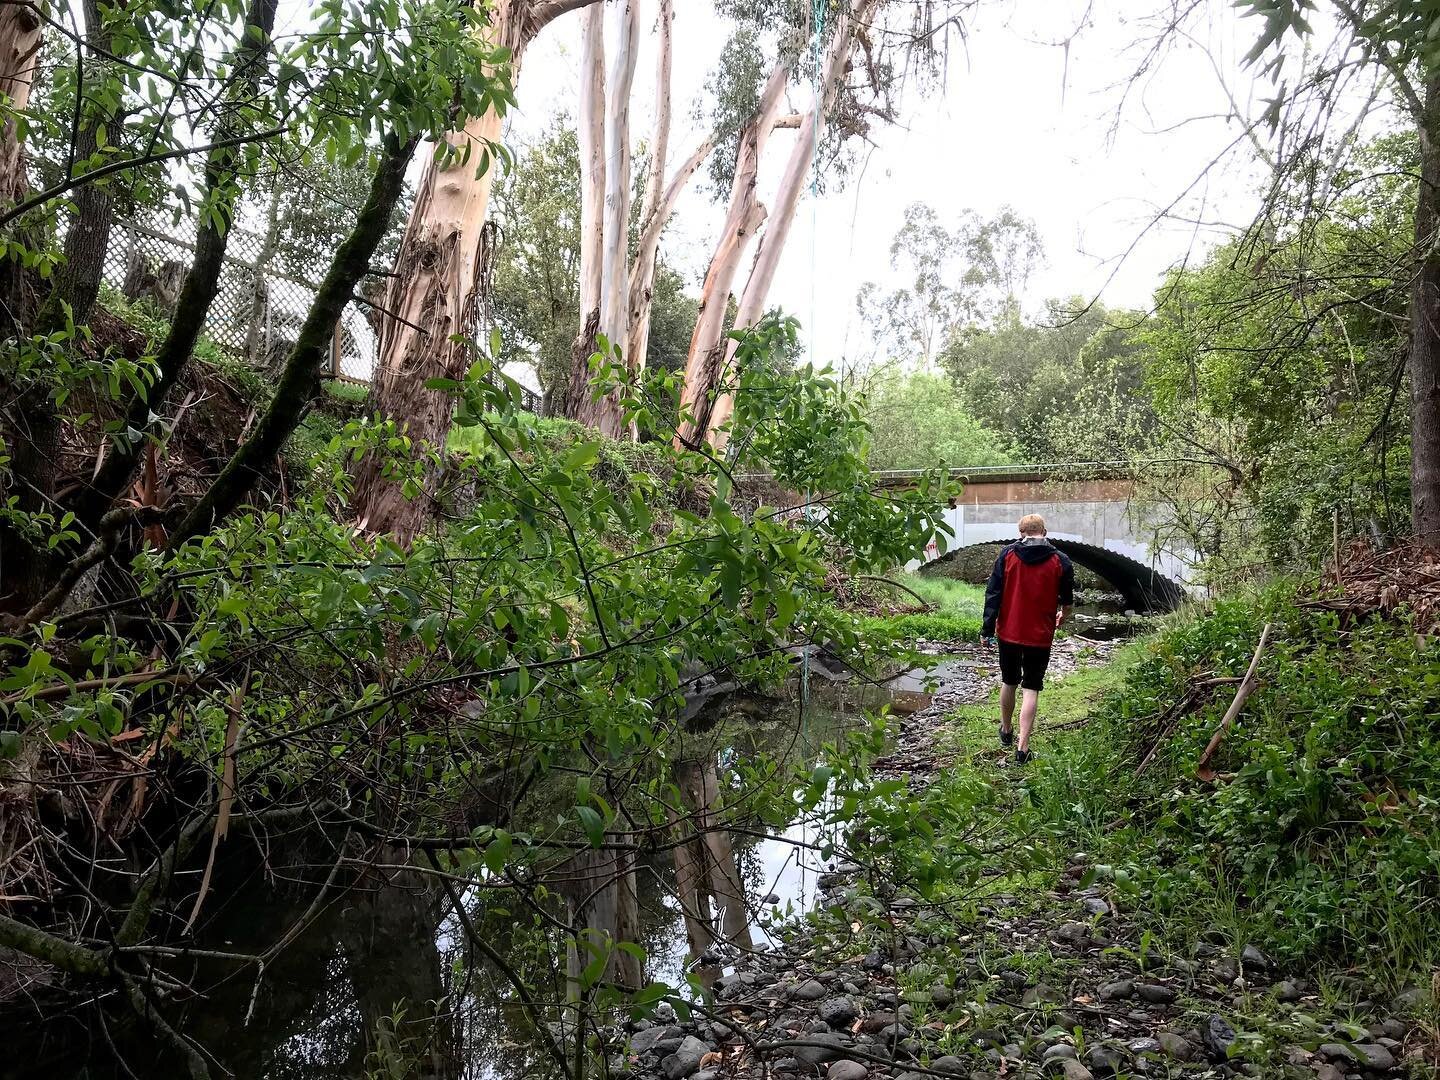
x=436 y=292
x=707 y=343
x=1424 y=357
x=787 y=198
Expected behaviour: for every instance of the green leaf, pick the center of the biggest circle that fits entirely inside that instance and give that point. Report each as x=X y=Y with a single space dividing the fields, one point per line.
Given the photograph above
x=593 y=824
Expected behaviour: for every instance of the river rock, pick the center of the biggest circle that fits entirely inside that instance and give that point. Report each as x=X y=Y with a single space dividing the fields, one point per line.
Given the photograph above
x=809 y=990
x=949 y=1065
x=1059 y=1052
x=878 y=1019
x=1219 y=1036
x=1410 y=1000
x=1250 y=956
x=1117 y=991
x=1071 y=1069
x=1175 y=1046
x=685 y=1061
x=642 y=1042
x=1105 y=1060
x=1155 y=994
x=1073 y=933
x=1287 y=991
x=1143 y=1046
x=846 y=1070
x=1374 y=1056
x=1095 y=906
x=838 y=1011
x=829 y=1049
x=1227 y=970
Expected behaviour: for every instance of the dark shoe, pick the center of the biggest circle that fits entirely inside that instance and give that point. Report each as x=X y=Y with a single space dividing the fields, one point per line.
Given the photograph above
x=1007 y=736
x=1022 y=757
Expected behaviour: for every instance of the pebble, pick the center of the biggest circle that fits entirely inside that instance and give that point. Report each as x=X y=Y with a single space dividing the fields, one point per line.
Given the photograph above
x=1175 y=1046
x=1117 y=991
x=1155 y=993
x=839 y=1011
x=1286 y=990
x=846 y=1070
x=1073 y=1070
x=1219 y=1035
x=1095 y=906
x=809 y=990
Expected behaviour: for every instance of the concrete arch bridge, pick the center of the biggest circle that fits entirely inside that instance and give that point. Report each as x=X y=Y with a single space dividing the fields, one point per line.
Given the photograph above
x=1089 y=511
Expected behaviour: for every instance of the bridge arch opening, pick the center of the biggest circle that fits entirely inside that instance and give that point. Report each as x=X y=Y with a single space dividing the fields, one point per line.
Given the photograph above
x=1144 y=588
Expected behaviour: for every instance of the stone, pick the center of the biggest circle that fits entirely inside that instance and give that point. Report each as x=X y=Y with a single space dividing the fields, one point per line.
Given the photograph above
x=878 y=1019
x=1338 y=1052
x=846 y=1070
x=1286 y=990
x=828 y=1049
x=707 y=1074
x=1143 y=1046
x=1326 y=1071
x=949 y=1065
x=665 y=1013
x=771 y=898
x=1219 y=1036
x=1073 y=933
x=1227 y=970
x=1059 y=1052
x=1073 y=1070
x=1376 y=1057
x=816 y=1027
x=839 y=1011
x=942 y=996
x=893 y=1033
x=1117 y=991
x=809 y=990
x=1105 y=1060
x=642 y=1042
x=685 y=1061
x=1394 y=1029
x=1250 y=956
x=873 y=961
x=1155 y=994
x=1095 y=906
x=1175 y=1046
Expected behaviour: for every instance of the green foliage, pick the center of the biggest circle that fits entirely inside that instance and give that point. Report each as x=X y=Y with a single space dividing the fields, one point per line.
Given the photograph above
x=920 y=422
x=1320 y=838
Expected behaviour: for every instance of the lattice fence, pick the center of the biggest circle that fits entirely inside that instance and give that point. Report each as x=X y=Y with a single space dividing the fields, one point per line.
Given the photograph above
x=259 y=309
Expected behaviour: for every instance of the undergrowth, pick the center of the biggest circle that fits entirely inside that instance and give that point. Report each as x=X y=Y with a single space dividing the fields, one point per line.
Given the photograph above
x=954 y=615
x=1319 y=840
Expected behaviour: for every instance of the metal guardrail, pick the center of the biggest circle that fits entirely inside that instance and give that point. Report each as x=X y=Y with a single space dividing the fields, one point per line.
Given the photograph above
x=1078 y=469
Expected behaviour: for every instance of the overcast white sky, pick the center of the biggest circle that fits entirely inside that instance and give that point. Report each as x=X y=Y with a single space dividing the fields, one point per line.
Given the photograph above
x=1021 y=121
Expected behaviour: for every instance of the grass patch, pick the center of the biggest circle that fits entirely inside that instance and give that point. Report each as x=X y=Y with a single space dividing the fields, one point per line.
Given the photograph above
x=1320 y=842
x=955 y=615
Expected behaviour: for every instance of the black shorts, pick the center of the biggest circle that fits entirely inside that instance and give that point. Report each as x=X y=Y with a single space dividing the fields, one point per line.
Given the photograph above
x=1023 y=665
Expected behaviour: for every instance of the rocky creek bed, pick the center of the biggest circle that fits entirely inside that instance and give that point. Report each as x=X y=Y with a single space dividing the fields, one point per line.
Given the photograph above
x=936 y=997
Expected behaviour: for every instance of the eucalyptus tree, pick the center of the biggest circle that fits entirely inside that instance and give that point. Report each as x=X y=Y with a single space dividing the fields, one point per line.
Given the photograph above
x=878 y=40
x=434 y=295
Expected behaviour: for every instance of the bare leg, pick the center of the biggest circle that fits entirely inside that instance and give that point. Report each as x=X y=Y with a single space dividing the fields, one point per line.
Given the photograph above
x=1007 y=705
x=1029 y=703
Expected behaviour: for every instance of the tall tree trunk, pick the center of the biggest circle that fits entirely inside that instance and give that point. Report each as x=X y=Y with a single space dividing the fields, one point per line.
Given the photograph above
x=604 y=413
x=20 y=41
x=590 y=132
x=202 y=282
x=1424 y=357
x=437 y=291
x=707 y=343
x=787 y=198
x=641 y=286
x=77 y=281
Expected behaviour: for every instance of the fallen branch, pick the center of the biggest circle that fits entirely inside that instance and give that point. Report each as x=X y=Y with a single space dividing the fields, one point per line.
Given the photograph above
x=1242 y=694
x=894 y=584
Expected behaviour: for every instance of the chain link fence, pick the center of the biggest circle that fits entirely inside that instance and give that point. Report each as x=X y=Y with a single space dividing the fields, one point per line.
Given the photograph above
x=260 y=307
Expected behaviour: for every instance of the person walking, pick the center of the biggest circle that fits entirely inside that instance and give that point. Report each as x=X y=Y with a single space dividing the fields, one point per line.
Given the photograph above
x=1029 y=595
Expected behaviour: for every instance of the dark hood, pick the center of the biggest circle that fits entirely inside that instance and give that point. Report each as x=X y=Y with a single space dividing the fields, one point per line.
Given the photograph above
x=1033 y=551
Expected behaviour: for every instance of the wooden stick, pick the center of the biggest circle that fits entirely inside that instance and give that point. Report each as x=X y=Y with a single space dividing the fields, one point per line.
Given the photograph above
x=1242 y=693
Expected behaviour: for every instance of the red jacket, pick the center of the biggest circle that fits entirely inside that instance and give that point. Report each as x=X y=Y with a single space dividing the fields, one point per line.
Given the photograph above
x=1029 y=584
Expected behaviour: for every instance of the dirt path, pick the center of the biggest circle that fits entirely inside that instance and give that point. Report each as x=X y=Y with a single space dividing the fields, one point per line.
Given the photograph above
x=1065 y=982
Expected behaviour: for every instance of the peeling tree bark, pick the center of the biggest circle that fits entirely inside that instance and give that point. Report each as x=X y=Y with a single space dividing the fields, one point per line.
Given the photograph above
x=707 y=344
x=437 y=291
x=787 y=198
x=590 y=133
